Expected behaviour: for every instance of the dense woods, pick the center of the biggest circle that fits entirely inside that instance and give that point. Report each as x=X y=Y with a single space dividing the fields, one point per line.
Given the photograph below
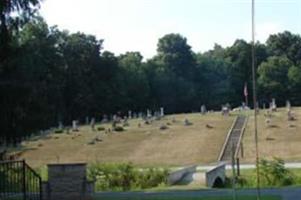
x=49 y=75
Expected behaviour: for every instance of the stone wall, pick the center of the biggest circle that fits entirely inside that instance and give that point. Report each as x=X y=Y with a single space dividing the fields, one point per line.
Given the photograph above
x=67 y=182
x=177 y=175
x=215 y=173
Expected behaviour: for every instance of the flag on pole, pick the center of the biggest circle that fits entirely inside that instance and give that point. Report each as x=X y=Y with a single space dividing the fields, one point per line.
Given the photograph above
x=246 y=90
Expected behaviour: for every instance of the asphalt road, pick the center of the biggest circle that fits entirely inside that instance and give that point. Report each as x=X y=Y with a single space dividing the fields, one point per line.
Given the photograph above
x=290 y=193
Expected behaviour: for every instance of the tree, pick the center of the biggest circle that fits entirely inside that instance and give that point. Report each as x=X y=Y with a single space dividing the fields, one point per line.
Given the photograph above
x=273 y=77
x=285 y=44
x=133 y=81
x=9 y=22
x=294 y=77
x=176 y=55
x=239 y=55
x=213 y=83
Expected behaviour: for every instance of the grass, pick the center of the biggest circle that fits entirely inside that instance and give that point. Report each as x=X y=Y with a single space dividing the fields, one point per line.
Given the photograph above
x=179 y=145
x=192 y=198
x=277 y=140
x=249 y=175
x=143 y=146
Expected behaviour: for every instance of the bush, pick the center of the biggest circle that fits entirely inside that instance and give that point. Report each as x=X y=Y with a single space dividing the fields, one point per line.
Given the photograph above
x=57 y=131
x=119 y=129
x=100 y=128
x=274 y=173
x=123 y=177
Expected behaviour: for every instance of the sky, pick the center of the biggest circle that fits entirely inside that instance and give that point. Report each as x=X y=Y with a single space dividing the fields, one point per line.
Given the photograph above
x=137 y=25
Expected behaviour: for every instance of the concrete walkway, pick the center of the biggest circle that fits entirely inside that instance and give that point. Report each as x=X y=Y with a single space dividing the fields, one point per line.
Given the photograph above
x=285 y=193
x=291 y=165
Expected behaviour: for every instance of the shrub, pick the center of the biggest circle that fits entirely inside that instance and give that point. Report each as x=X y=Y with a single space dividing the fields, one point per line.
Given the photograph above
x=100 y=128
x=123 y=177
x=274 y=173
x=119 y=129
x=58 y=131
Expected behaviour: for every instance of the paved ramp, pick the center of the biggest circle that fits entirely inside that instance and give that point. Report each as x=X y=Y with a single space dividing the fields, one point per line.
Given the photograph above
x=233 y=138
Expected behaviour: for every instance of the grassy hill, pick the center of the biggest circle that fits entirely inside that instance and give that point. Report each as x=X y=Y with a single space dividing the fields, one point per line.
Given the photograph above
x=279 y=139
x=176 y=146
x=144 y=146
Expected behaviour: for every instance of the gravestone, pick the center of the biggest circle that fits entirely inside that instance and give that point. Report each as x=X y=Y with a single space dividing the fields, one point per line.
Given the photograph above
x=135 y=115
x=92 y=123
x=273 y=105
x=74 y=125
x=130 y=114
x=148 y=113
x=87 y=120
x=157 y=115
x=61 y=126
x=288 y=105
x=140 y=115
x=187 y=122
x=243 y=105
x=104 y=119
x=225 y=110
x=162 y=112
x=203 y=110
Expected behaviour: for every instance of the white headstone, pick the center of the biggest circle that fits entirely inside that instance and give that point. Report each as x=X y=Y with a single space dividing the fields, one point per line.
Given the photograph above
x=130 y=114
x=74 y=125
x=92 y=123
x=149 y=114
x=162 y=112
x=203 y=110
x=288 y=105
x=140 y=115
x=273 y=105
x=61 y=125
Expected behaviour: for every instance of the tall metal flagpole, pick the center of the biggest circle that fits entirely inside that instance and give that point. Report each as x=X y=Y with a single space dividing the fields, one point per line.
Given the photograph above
x=255 y=99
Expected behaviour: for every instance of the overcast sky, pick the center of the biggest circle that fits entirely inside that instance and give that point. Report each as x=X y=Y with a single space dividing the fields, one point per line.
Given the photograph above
x=136 y=25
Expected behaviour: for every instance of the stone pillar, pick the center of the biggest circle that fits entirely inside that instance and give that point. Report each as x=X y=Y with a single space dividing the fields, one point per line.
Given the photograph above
x=67 y=182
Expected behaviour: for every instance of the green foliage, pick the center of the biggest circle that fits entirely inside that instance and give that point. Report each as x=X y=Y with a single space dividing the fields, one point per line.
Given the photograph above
x=274 y=173
x=100 y=128
x=274 y=77
x=119 y=128
x=58 y=131
x=123 y=177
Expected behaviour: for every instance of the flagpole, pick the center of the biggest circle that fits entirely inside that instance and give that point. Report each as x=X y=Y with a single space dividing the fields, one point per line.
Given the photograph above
x=255 y=100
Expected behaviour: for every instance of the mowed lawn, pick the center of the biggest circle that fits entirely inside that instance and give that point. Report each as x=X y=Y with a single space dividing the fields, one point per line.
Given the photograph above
x=192 y=198
x=281 y=139
x=143 y=146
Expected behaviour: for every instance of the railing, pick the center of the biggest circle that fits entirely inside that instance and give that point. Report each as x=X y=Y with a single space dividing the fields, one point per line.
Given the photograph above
x=239 y=144
x=227 y=140
x=18 y=181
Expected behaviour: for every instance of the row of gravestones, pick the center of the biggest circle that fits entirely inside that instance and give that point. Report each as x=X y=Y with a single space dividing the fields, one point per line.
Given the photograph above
x=114 y=119
x=131 y=115
x=273 y=108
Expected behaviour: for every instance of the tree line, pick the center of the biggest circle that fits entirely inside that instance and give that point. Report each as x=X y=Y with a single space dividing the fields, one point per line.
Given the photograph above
x=49 y=75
